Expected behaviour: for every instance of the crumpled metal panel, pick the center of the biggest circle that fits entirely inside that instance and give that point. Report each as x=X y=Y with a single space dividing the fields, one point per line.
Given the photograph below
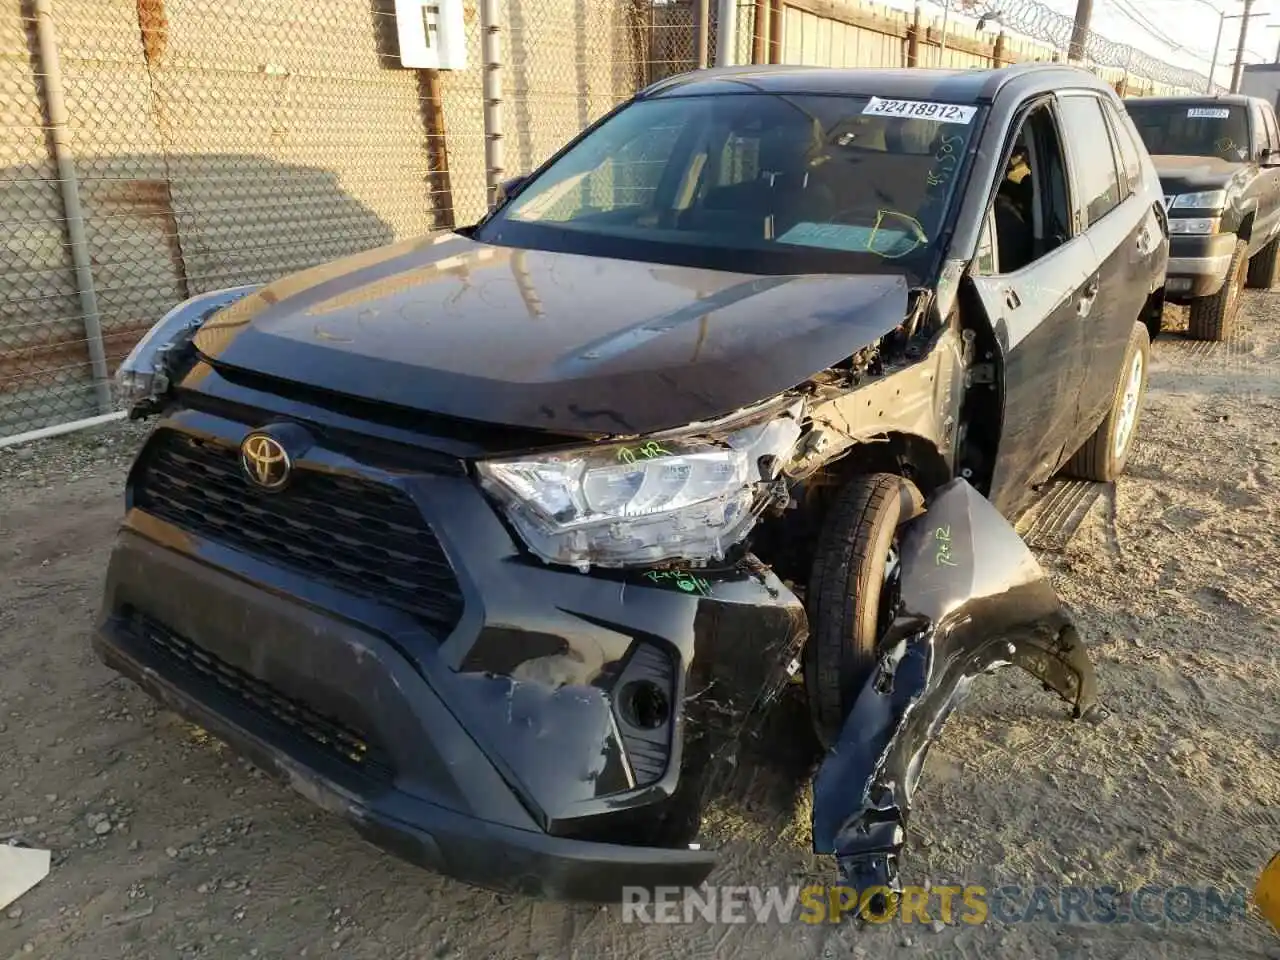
x=973 y=599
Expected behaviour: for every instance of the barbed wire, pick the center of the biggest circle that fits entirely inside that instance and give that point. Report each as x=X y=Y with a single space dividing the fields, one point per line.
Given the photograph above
x=1043 y=23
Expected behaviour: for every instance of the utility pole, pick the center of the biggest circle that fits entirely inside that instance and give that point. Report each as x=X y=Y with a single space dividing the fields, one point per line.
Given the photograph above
x=1244 y=33
x=1080 y=29
x=1222 y=19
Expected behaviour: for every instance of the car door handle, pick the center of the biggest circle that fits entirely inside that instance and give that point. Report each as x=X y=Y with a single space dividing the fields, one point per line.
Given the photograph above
x=1087 y=296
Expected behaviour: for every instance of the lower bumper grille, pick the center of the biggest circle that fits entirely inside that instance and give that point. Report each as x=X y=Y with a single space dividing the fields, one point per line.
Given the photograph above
x=208 y=678
x=363 y=537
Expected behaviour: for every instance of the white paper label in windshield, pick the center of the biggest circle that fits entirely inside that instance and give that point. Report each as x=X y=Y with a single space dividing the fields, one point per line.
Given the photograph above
x=919 y=110
x=1212 y=113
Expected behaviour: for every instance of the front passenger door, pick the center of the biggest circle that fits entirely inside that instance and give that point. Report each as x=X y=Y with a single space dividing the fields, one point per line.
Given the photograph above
x=1035 y=309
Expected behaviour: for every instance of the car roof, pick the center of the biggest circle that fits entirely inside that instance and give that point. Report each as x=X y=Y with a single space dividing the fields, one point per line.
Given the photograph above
x=1178 y=100
x=915 y=83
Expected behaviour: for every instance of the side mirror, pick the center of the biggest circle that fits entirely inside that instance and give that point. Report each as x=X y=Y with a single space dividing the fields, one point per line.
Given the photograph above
x=1270 y=158
x=507 y=189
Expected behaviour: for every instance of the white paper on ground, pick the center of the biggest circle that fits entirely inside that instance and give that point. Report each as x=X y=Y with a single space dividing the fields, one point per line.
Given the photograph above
x=20 y=870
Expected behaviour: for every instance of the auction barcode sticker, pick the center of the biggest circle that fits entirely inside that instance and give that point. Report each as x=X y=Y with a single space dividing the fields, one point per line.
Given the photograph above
x=920 y=110
x=1214 y=113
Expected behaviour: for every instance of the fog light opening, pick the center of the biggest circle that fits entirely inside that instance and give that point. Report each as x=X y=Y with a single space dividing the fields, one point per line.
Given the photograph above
x=644 y=704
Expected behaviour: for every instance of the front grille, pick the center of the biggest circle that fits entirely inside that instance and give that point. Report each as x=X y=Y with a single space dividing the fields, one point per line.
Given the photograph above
x=203 y=674
x=363 y=537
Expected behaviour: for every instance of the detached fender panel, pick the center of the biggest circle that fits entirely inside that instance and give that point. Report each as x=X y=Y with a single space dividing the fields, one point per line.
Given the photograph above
x=973 y=599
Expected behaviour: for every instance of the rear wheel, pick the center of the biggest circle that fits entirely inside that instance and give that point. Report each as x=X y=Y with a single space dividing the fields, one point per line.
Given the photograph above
x=1103 y=456
x=1214 y=318
x=852 y=595
x=1262 y=268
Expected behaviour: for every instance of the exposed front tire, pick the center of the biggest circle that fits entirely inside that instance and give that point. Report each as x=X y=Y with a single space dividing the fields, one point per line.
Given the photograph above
x=1104 y=455
x=851 y=594
x=1262 y=268
x=1214 y=318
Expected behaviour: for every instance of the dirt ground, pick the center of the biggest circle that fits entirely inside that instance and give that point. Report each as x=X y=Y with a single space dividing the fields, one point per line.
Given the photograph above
x=165 y=845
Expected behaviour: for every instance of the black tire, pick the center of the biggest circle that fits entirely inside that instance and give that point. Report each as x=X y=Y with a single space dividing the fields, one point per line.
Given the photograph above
x=1214 y=318
x=1262 y=268
x=1099 y=459
x=846 y=587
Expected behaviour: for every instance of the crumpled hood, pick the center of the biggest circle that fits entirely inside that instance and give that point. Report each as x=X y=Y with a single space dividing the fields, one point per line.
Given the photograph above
x=552 y=341
x=1196 y=174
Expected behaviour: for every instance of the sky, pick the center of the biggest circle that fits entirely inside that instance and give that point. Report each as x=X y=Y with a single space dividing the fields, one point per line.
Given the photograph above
x=1178 y=31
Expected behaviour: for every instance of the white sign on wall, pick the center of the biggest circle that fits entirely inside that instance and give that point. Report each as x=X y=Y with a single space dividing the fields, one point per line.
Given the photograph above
x=432 y=34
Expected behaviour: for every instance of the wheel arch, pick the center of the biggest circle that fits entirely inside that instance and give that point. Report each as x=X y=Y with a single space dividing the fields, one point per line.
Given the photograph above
x=788 y=540
x=908 y=455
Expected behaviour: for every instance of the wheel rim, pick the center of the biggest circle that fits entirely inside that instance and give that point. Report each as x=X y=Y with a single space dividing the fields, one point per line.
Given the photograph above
x=1129 y=406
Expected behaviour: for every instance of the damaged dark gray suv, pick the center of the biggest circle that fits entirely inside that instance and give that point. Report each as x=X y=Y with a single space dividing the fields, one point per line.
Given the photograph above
x=494 y=542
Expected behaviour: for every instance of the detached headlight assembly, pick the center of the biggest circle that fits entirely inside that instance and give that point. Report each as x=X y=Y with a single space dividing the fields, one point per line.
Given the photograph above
x=146 y=373
x=1209 y=200
x=684 y=496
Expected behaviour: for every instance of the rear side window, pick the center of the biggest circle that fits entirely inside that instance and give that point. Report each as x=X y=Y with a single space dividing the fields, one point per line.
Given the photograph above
x=1094 y=162
x=1130 y=158
x=1259 y=130
x=1270 y=117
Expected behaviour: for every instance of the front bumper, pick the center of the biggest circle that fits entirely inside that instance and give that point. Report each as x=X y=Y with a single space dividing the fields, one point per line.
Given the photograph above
x=1198 y=266
x=495 y=752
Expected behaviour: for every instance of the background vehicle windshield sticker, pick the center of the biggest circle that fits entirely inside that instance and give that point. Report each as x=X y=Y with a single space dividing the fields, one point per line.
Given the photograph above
x=920 y=110
x=1213 y=113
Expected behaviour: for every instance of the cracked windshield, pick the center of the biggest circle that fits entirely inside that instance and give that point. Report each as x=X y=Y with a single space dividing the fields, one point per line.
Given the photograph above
x=761 y=172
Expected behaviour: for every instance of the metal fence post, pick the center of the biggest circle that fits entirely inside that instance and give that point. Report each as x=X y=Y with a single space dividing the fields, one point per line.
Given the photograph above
x=491 y=52
x=69 y=185
x=726 y=33
x=702 y=32
x=776 y=26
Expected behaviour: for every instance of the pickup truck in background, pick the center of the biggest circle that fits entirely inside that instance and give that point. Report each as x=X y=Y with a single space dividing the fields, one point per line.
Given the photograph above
x=1219 y=164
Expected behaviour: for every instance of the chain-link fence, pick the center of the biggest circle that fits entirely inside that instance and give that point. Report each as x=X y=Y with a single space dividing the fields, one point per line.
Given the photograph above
x=155 y=149
x=219 y=142
x=213 y=144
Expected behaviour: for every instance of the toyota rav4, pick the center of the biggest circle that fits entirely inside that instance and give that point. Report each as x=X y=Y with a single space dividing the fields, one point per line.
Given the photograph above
x=494 y=541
